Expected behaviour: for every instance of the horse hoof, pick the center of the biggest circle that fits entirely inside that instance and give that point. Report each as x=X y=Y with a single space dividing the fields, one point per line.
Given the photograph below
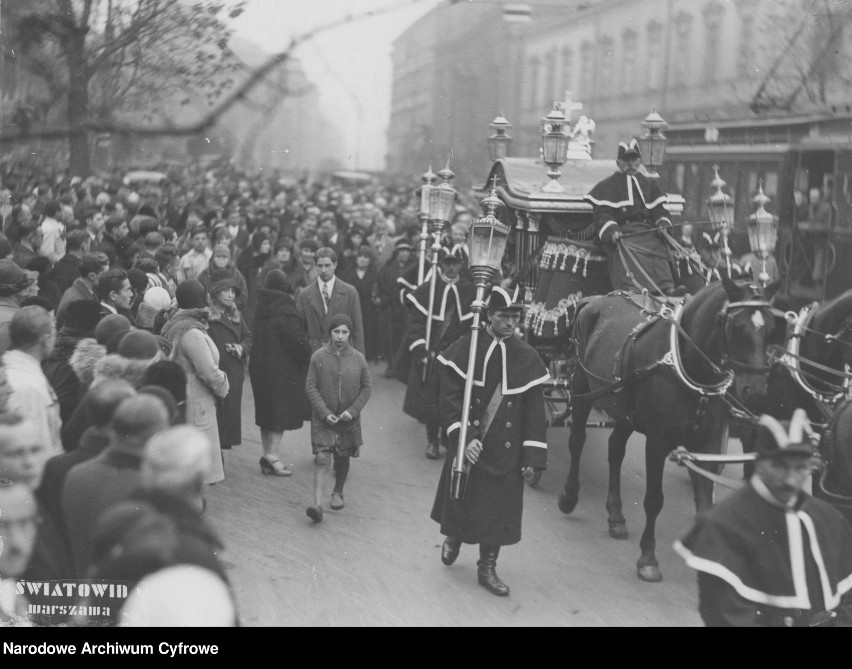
x=618 y=531
x=567 y=502
x=649 y=573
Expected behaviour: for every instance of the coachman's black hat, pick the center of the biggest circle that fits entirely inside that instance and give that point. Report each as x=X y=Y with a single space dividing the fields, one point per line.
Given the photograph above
x=627 y=150
x=504 y=300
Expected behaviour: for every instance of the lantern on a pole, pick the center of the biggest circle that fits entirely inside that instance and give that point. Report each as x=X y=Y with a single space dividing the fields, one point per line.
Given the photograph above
x=441 y=199
x=762 y=233
x=488 y=237
x=653 y=143
x=499 y=141
x=555 y=129
x=424 y=215
x=720 y=207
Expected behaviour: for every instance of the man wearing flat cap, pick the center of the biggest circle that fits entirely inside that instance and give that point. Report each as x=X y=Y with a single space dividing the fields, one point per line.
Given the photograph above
x=628 y=208
x=771 y=555
x=506 y=438
x=16 y=285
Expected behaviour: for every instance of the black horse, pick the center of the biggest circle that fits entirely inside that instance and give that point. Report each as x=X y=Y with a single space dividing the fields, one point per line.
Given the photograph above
x=675 y=386
x=812 y=377
x=833 y=483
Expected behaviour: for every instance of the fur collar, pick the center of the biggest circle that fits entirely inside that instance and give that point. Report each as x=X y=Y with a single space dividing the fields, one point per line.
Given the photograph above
x=83 y=359
x=182 y=322
x=114 y=366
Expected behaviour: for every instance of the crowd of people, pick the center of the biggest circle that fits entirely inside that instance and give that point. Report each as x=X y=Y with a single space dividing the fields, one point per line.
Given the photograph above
x=131 y=317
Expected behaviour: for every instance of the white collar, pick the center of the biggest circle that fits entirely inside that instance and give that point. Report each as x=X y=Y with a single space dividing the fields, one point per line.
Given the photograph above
x=329 y=283
x=109 y=308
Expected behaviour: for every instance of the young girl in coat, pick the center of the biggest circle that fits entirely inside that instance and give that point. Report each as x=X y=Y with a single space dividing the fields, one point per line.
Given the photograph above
x=338 y=387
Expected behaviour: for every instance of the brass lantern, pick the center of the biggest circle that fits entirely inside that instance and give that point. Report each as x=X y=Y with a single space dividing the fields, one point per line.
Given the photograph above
x=653 y=143
x=762 y=233
x=488 y=237
x=498 y=143
x=441 y=199
x=555 y=129
x=720 y=207
x=425 y=203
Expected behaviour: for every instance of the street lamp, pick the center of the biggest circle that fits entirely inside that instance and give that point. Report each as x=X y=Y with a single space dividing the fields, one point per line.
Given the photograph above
x=488 y=238
x=424 y=215
x=554 y=146
x=721 y=210
x=498 y=143
x=762 y=233
x=653 y=143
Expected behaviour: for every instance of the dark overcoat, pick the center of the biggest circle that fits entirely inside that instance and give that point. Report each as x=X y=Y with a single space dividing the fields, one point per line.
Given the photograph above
x=223 y=330
x=279 y=363
x=368 y=295
x=515 y=437
x=451 y=318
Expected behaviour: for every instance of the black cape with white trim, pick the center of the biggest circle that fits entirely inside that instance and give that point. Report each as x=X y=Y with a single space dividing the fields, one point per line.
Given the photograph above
x=523 y=368
x=758 y=548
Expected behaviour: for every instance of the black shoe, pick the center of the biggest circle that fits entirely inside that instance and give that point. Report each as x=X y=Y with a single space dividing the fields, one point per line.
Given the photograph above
x=315 y=513
x=433 y=451
x=450 y=550
x=486 y=571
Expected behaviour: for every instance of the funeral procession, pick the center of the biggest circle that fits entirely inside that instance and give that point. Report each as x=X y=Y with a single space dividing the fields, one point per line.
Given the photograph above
x=424 y=313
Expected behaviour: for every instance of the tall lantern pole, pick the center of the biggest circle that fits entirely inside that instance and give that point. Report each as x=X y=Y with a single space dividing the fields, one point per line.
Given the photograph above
x=428 y=183
x=488 y=237
x=441 y=200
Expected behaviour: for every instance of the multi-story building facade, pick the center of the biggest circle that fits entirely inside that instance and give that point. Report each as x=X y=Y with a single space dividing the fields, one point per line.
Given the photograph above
x=694 y=61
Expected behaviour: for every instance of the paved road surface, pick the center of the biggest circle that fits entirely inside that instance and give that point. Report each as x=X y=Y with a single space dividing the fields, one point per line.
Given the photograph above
x=377 y=561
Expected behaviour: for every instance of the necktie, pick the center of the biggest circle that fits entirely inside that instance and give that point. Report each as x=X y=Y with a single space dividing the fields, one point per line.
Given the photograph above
x=325 y=296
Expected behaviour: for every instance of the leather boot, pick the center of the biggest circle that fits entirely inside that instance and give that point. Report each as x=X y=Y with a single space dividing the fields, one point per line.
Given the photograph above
x=433 y=450
x=450 y=550
x=486 y=572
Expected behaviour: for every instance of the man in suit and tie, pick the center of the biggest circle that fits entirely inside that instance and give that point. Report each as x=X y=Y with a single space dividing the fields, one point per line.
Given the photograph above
x=327 y=296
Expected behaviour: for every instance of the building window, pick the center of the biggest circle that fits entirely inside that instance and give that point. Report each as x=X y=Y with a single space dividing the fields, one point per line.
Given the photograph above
x=568 y=69
x=712 y=37
x=746 y=56
x=606 y=48
x=682 y=49
x=655 y=56
x=629 y=57
x=587 y=65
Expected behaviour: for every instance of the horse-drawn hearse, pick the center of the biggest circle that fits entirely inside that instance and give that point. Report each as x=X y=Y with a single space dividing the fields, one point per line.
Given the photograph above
x=680 y=371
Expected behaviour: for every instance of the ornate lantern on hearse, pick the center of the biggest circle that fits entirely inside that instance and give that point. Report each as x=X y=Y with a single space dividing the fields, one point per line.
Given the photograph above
x=720 y=207
x=653 y=143
x=762 y=233
x=488 y=237
x=498 y=143
x=555 y=129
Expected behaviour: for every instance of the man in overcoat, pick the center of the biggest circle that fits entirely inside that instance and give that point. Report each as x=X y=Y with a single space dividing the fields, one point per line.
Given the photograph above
x=771 y=555
x=451 y=317
x=506 y=438
x=325 y=297
x=628 y=203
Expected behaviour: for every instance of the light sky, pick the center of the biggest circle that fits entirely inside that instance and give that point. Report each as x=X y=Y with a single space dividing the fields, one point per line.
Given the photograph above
x=350 y=65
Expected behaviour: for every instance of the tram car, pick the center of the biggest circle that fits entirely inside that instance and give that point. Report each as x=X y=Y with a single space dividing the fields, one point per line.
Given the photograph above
x=804 y=164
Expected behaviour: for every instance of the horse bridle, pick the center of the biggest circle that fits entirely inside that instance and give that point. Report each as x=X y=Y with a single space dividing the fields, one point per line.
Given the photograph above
x=725 y=317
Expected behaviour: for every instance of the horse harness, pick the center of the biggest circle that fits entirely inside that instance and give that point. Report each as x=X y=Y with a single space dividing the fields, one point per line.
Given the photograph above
x=790 y=357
